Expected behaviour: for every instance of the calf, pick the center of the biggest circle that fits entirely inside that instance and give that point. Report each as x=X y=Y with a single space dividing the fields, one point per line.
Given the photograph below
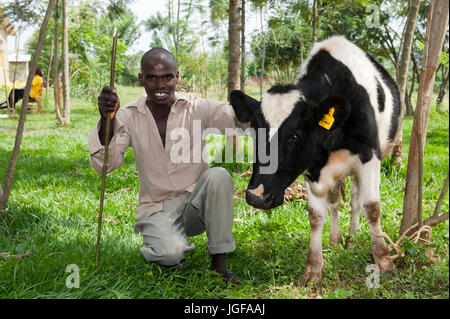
x=342 y=118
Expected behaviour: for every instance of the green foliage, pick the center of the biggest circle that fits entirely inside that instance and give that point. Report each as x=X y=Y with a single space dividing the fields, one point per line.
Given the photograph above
x=287 y=43
x=54 y=204
x=443 y=59
x=90 y=41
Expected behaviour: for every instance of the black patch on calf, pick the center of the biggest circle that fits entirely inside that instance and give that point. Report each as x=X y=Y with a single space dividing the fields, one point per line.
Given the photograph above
x=281 y=89
x=396 y=107
x=380 y=97
x=359 y=134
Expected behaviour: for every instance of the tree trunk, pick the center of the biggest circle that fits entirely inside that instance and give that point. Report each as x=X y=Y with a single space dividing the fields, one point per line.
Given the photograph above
x=263 y=55
x=11 y=107
x=56 y=86
x=443 y=88
x=434 y=38
x=314 y=22
x=243 y=72
x=50 y=61
x=15 y=153
x=402 y=72
x=65 y=60
x=234 y=28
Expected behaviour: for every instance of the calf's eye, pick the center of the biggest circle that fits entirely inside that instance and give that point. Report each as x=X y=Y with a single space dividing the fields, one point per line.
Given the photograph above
x=294 y=138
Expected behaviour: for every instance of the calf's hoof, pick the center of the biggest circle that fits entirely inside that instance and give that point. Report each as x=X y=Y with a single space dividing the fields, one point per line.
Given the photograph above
x=335 y=240
x=349 y=243
x=310 y=276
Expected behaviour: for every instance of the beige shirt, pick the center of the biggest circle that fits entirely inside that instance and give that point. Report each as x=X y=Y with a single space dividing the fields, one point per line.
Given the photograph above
x=164 y=173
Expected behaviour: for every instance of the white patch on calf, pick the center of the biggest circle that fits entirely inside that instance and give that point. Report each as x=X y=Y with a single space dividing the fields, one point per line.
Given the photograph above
x=340 y=164
x=259 y=191
x=277 y=107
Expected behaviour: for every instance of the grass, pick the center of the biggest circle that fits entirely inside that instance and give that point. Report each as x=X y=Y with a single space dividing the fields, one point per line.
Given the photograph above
x=53 y=213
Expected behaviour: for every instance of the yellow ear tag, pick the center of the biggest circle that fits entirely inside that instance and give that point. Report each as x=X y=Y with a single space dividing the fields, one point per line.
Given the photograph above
x=327 y=119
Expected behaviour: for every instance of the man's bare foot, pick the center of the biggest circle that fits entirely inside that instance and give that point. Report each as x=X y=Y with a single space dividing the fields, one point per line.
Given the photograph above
x=218 y=265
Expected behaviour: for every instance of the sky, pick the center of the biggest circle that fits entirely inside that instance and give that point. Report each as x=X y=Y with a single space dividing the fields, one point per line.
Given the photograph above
x=143 y=9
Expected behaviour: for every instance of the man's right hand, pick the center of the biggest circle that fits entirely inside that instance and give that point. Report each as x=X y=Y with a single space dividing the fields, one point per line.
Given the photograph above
x=108 y=102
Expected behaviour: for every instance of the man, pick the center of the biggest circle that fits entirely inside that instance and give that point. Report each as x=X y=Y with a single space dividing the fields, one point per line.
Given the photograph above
x=176 y=200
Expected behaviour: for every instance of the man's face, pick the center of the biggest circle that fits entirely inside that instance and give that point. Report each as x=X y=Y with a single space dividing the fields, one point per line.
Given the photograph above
x=159 y=77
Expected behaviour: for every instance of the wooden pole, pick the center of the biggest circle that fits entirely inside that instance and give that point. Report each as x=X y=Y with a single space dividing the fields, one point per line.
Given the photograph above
x=105 y=159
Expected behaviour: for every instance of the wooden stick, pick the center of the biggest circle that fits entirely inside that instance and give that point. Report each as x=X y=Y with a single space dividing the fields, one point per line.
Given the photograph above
x=105 y=160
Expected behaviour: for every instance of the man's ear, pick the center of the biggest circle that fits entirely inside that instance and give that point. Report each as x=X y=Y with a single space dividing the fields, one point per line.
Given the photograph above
x=140 y=78
x=244 y=106
x=332 y=112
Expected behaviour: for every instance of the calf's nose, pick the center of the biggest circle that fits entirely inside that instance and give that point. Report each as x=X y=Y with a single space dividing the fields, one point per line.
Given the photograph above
x=264 y=201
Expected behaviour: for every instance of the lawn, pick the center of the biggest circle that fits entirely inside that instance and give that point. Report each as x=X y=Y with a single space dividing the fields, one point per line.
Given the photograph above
x=52 y=214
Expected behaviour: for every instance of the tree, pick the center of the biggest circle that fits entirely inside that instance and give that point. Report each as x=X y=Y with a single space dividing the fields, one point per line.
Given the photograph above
x=15 y=153
x=314 y=23
x=443 y=88
x=243 y=54
x=65 y=63
x=402 y=72
x=56 y=77
x=434 y=38
x=234 y=28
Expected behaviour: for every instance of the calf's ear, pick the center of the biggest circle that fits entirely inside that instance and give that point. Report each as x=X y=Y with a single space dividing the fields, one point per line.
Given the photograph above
x=244 y=106
x=332 y=112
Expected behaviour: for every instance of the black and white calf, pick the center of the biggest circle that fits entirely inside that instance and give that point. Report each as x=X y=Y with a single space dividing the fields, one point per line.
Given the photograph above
x=342 y=118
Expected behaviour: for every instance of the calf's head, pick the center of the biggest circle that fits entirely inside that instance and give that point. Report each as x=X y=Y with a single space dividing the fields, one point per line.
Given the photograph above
x=292 y=135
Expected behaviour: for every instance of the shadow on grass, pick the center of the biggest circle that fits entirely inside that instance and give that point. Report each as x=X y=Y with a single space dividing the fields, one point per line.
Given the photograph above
x=70 y=172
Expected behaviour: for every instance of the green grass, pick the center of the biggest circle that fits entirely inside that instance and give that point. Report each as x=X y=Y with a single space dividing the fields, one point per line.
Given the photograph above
x=54 y=202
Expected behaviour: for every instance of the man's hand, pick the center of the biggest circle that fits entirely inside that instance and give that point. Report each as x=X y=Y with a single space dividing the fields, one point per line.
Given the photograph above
x=108 y=102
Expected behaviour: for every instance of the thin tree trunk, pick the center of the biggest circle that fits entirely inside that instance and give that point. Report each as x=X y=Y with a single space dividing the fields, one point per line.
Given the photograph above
x=56 y=86
x=434 y=39
x=23 y=113
x=65 y=60
x=11 y=107
x=6 y=88
x=263 y=56
x=234 y=29
x=402 y=72
x=443 y=88
x=314 y=22
x=436 y=218
x=243 y=72
x=50 y=65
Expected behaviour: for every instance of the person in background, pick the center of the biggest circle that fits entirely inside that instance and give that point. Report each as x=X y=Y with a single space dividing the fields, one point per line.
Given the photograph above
x=36 y=87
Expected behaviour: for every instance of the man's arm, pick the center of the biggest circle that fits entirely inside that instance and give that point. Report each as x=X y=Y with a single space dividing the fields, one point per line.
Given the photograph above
x=220 y=115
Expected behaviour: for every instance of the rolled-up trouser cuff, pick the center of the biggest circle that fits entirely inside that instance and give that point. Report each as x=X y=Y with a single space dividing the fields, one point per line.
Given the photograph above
x=221 y=248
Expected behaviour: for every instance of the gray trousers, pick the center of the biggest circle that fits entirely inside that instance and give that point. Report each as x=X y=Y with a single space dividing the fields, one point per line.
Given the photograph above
x=209 y=208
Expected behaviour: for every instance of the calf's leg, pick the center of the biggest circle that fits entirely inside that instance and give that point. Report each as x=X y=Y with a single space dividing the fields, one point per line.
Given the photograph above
x=317 y=215
x=354 y=219
x=333 y=203
x=369 y=184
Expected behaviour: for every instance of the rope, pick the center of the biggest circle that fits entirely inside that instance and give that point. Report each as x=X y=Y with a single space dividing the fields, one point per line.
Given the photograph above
x=414 y=237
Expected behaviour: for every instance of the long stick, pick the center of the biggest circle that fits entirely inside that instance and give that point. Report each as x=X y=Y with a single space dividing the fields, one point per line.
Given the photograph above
x=105 y=160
